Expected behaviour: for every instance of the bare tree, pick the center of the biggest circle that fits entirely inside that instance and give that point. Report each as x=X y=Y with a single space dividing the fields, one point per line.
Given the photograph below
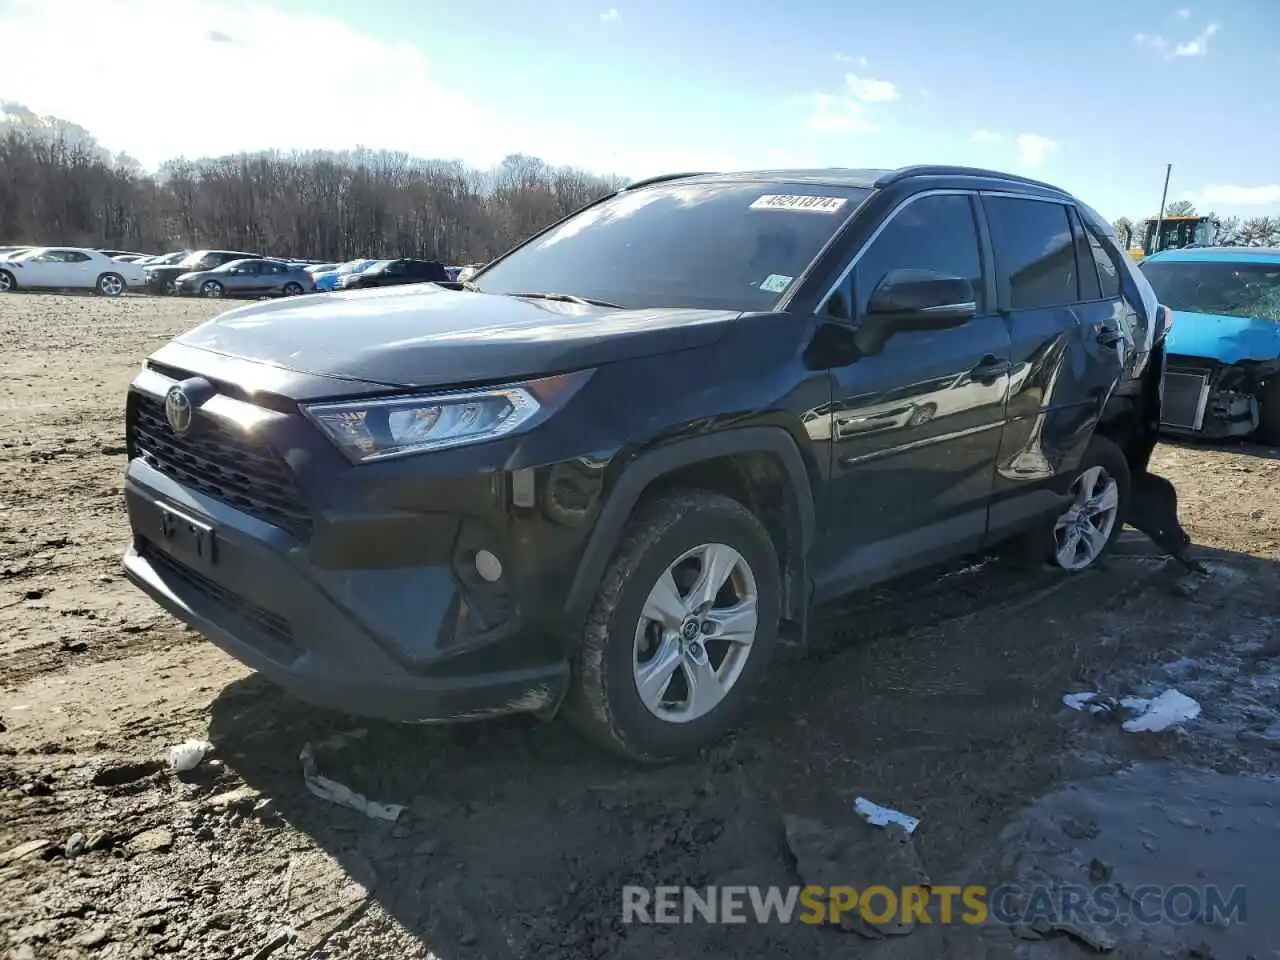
x=58 y=186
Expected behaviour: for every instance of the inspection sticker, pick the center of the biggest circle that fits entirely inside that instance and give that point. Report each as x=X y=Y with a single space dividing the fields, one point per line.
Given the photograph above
x=775 y=283
x=782 y=201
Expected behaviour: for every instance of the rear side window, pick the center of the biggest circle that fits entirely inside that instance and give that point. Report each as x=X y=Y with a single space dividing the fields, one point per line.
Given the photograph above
x=1108 y=275
x=1033 y=242
x=933 y=233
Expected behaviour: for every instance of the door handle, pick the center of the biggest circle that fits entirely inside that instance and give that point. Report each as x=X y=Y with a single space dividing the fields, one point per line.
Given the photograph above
x=989 y=368
x=1109 y=337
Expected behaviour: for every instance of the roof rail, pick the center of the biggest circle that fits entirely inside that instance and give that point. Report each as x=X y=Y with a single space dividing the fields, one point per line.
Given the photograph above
x=664 y=177
x=947 y=170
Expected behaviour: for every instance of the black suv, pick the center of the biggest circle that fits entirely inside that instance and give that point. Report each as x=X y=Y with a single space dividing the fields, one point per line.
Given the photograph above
x=392 y=273
x=611 y=471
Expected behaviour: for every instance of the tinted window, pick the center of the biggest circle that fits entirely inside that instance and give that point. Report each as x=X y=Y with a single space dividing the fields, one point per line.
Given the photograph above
x=1033 y=242
x=932 y=233
x=1108 y=275
x=75 y=256
x=395 y=268
x=273 y=268
x=717 y=245
x=1221 y=287
x=1089 y=286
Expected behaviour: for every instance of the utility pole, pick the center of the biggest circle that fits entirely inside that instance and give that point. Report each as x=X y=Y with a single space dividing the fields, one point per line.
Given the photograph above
x=1164 y=195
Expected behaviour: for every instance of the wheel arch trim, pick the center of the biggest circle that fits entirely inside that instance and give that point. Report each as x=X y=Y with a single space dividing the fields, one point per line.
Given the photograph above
x=652 y=464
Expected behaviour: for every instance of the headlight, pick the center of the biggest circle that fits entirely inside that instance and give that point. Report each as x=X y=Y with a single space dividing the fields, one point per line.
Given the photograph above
x=375 y=429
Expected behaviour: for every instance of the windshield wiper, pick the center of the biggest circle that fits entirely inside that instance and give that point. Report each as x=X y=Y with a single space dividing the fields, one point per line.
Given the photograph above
x=568 y=298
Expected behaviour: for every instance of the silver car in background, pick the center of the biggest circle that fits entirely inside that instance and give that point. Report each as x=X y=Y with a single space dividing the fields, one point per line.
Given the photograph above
x=247 y=278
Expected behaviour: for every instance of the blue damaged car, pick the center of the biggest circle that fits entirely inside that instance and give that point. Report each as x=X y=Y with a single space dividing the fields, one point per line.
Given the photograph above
x=1223 y=354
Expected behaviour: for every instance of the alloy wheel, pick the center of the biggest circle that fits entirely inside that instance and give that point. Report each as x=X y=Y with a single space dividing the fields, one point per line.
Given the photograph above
x=1082 y=532
x=695 y=633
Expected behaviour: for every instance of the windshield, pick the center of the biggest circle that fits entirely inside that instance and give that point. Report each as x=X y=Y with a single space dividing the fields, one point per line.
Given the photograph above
x=27 y=254
x=353 y=265
x=1221 y=287
x=718 y=246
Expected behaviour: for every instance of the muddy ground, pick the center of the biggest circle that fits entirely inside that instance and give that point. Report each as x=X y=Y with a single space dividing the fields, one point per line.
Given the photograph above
x=942 y=699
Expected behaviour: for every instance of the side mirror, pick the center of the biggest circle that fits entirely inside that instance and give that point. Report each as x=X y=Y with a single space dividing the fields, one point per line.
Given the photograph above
x=913 y=299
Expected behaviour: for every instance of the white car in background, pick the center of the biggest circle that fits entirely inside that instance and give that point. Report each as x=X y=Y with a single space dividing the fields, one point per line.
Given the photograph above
x=69 y=268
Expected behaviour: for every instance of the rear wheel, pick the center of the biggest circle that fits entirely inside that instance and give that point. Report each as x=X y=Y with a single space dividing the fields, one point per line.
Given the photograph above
x=1084 y=533
x=211 y=289
x=293 y=290
x=7 y=283
x=682 y=629
x=110 y=285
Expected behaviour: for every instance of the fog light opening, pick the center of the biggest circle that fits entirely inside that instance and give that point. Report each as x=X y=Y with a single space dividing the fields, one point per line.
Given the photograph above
x=488 y=566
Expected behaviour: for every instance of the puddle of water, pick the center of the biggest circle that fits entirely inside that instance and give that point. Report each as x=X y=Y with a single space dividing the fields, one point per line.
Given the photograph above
x=1162 y=827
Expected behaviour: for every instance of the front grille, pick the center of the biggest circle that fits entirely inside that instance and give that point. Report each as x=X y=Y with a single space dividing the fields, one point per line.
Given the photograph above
x=275 y=628
x=1184 y=399
x=217 y=462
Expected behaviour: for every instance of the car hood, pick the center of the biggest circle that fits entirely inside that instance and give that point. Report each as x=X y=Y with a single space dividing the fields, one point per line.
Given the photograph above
x=1226 y=339
x=421 y=335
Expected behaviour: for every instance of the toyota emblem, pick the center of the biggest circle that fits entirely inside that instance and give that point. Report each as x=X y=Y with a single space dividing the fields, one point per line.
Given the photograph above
x=178 y=409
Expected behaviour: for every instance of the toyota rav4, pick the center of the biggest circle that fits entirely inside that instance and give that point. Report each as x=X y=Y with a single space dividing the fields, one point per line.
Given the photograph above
x=605 y=476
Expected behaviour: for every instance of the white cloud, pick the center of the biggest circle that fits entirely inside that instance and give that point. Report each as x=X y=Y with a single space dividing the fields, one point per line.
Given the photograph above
x=868 y=90
x=1197 y=47
x=845 y=58
x=1184 y=14
x=134 y=71
x=610 y=16
x=1034 y=150
x=985 y=136
x=835 y=114
x=1232 y=195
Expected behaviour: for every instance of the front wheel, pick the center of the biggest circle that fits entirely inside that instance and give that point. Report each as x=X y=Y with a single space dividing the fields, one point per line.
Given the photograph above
x=7 y=283
x=211 y=289
x=682 y=630
x=1269 y=413
x=110 y=285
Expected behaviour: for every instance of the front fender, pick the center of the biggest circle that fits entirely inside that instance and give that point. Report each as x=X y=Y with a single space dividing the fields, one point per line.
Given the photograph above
x=654 y=463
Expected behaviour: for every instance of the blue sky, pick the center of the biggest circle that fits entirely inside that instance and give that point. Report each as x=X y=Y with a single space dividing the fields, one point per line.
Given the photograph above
x=1094 y=95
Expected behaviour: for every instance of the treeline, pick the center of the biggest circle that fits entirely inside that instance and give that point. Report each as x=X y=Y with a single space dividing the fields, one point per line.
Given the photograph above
x=55 y=190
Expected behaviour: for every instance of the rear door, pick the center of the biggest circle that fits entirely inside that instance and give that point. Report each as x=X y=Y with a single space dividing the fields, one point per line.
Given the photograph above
x=1066 y=346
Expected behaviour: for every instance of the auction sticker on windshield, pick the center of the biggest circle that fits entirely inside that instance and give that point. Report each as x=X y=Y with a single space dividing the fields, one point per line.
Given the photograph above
x=781 y=201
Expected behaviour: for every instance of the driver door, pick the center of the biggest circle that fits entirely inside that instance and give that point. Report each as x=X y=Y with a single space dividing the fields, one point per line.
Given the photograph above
x=916 y=417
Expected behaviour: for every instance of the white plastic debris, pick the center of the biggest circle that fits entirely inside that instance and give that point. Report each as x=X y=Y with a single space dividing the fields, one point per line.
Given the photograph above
x=879 y=816
x=187 y=756
x=339 y=793
x=1082 y=701
x=1160 y=713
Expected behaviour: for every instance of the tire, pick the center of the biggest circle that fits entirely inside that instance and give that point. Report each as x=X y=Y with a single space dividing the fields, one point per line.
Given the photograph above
x=7 y=283
x=1268 y=431
x=604 y=701
x=1102 y=462
x=211 y=289
x=292 y=290
x=110 y=285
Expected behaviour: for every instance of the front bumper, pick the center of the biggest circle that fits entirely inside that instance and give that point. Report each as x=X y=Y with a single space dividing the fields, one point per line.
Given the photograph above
x=325 y=636
x=1205 y=398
